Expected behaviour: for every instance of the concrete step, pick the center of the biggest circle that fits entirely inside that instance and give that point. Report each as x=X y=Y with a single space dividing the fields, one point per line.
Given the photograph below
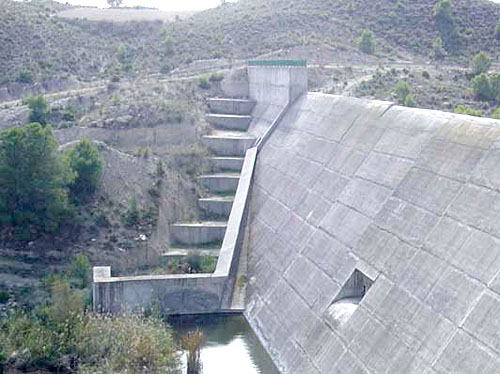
x=229 y=121
x=226 y=163
x=198 y=233
x=228 y=143
x=218 y=205
x=231 y=106
x=221 y=183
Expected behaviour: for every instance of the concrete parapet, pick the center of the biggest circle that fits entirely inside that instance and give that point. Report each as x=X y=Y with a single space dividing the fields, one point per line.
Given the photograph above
x=230 y=121
x=277 y=82
x=231 y=106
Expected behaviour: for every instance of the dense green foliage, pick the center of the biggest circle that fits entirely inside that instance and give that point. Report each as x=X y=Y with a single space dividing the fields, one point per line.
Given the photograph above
x=410 y=101
x=402 y=90
x=39 y=108
x=480 y=63
x=203 y=82
x=496 y=113
x=33 y=180
x=85 y=161
x=460 y=109
x=445 y=24
x=487 y=88
x=63 y=335
x=367 y=42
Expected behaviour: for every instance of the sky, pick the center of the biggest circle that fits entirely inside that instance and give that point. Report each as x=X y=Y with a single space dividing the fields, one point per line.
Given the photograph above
x=171 y=5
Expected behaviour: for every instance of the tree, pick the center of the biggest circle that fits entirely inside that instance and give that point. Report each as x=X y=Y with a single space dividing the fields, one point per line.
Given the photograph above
x=482 y=87
x=39 y=108
x=480 y=63
x=438 y=51
x=86 y=163
x=115 y=3
x=497 y=31
x=367 y=42
x=33 y=180
x=402 y=90
x=442 y=11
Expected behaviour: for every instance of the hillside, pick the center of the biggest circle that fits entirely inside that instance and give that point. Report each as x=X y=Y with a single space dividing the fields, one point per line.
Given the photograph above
x=39 y=46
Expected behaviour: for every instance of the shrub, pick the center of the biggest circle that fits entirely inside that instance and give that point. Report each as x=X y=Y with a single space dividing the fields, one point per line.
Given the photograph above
x=125 y=344
x=208 y=264
x=165 y=68
x=497 y=31
x=460 y=109
x=194 y=262
x=203 y=82
x=367 y=42
x=402 y=90
x=496 y=113
x=25 y=76
x=80 y=270
x=30 y=154
x=86 y=163
x=4 y=296
x=438 y=51
x=442 y=10
x=426 y=75
x=133 y=215
x=39 y=108
x=482 y=88
x=216 y=77
x=480 y=63
x=410 y=101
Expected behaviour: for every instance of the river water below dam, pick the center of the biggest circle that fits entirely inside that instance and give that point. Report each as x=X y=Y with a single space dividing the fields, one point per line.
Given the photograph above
x=230 y=346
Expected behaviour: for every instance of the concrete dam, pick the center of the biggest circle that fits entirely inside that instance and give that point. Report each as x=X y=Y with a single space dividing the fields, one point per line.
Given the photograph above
x=370 y=235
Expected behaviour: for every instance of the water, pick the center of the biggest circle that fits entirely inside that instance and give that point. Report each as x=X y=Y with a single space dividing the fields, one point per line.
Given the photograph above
x=230 y=344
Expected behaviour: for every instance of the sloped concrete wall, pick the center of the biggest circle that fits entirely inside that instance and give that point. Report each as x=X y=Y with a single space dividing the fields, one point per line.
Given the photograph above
x=409 y=197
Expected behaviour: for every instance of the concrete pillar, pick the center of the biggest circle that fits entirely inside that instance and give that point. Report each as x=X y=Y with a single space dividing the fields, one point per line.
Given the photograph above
x=277 y=82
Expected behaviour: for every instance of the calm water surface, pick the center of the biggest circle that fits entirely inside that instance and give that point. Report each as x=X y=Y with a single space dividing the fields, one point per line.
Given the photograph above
x=231 y=347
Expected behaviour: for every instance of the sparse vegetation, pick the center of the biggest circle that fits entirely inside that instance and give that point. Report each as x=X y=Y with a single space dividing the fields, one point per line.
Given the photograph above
x=402 y=90
x=438 y=51
x=460 y=109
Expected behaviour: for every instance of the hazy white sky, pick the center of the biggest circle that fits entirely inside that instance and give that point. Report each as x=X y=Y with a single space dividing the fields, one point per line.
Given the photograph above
x=172 y=5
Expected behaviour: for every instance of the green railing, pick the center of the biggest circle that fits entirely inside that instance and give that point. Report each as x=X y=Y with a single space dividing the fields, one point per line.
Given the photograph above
x=301 y=63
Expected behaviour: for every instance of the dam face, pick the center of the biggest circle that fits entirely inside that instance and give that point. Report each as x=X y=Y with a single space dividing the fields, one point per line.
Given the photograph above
x=374 y=240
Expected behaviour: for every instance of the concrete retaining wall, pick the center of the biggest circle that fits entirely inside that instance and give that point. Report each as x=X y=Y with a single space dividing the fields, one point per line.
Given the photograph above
x=408 y=197
x=187 y=293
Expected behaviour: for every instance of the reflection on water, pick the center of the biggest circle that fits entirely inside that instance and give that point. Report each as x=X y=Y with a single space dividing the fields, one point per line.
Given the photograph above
x=230 y=347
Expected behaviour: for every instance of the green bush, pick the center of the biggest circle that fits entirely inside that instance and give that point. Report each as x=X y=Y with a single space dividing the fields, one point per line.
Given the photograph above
x=442 y=10
x=25 y=76
x=80 y=270
x=496 y=113
x=426 y=75
x=132 y=216
x=98 y=344
x=461 y=109
x=486 y=88
x=402 y=90
x=4 y=296
x=203 y=82
x=86 y=163
x=367 y=42
x=216 y=77
x=30 y=154
x=438 y=51
x=39 y=108
x=410 y=101
x=208 y=264
x=480 y=63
